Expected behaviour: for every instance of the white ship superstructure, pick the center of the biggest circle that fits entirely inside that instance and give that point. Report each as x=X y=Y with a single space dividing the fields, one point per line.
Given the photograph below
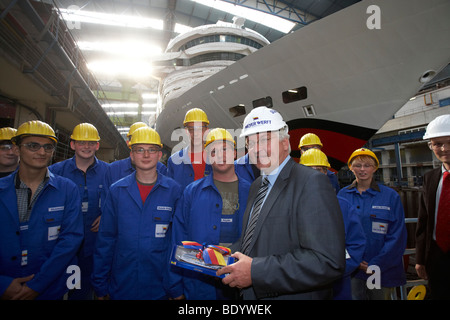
x=194 y=56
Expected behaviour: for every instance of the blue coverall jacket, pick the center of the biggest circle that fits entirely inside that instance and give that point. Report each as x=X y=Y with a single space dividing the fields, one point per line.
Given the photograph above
x=180 y=169
x=355 y=245
x=131 y=257
x=244 y=168
x=200 y=219
x=383 y=220
x=91 y=186
x=47 y=244
x=334 y=180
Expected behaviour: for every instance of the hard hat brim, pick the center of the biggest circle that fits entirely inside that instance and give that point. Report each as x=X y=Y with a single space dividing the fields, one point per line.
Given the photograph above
x=15 y=138
x=436 y=135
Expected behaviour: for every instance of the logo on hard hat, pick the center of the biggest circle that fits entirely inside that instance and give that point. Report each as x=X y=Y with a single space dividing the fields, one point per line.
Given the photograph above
x=258 y=123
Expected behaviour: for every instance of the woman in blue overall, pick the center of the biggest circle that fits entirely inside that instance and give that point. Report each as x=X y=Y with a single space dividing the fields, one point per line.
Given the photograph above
x=41 y=227
x=212 y=214
x=131 y=258
x=383 y=220
x=88 y=173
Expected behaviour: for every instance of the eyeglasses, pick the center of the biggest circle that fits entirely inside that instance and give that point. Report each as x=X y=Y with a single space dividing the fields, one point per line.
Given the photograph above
x=143 y=150
x=34 y=146
x=89 y=143
x=362 y=165
x=438 y=145
x=6 y=147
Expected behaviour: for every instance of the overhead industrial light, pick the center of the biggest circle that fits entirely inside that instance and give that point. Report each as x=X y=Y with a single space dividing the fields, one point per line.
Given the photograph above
x=121 y=68
x=120 y=105
x=129 y=113
x=130 y=49
x=78 y=15
x=263 y=18
x=149 y=96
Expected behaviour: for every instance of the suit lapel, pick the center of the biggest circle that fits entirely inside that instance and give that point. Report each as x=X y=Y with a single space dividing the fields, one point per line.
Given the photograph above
x=432 y=190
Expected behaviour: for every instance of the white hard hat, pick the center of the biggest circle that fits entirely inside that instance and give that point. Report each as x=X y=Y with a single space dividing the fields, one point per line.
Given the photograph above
x=262 y=119
x=439 y=127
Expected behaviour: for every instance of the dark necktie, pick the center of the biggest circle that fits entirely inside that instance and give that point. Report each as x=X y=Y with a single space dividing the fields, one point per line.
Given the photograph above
x=254 y=216
x=443 y=216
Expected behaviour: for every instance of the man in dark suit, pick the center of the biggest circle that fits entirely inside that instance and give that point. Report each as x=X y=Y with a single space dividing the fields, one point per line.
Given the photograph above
x=295 y=249
x=432 y=249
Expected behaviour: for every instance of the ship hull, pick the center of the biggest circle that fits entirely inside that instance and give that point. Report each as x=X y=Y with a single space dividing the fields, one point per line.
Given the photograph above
x=355 y=76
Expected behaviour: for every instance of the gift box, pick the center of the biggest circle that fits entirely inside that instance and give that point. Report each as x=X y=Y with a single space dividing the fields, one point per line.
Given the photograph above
x=205 y=259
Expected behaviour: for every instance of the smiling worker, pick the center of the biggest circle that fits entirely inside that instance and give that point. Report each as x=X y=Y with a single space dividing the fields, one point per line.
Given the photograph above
x=88 y=173
x=41 y=226
x=212 y=212
x=433 y=226
x=131 y=252
x=293 y=242
x=383 y=220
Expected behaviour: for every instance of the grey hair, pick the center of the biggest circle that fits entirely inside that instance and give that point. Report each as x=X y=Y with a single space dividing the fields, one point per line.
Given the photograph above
x=284 y=134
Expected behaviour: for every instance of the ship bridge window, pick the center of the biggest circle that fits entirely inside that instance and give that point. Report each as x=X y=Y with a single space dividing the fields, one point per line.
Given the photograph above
x=263 y=102
x=220 y=38
x=237 y=111
x=212 y=56
x=296 y=94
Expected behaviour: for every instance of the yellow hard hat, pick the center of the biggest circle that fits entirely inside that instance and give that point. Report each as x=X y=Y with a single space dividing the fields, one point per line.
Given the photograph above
x=136 y=126
x=145 y=135
x=195 y=115
x=219 y=134
x=85 y=132
x=7 y=133
x=309 y=139
x=314 y=158
x=362 y=152
x=34 y=128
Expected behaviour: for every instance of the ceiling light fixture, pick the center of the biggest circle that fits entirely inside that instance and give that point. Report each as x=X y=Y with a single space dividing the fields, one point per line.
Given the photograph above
x=131 y=49
x=121 y=68
x=111 y=19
